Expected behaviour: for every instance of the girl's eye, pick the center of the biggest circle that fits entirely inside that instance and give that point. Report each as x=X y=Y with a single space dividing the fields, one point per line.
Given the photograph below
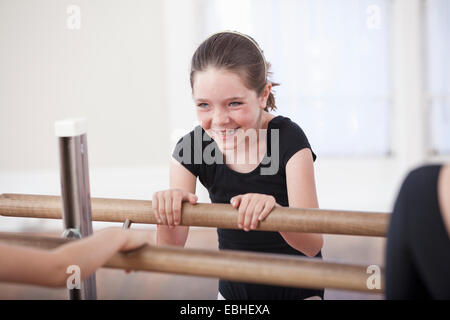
x=202 y=105
x=235 y=104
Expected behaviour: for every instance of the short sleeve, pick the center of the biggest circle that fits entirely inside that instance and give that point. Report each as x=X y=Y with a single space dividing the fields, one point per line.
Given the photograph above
x=293 y=139
x=185 y=153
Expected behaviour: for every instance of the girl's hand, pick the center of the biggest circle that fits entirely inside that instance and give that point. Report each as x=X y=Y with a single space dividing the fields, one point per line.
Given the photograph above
x=167 y=205
x=253 y=207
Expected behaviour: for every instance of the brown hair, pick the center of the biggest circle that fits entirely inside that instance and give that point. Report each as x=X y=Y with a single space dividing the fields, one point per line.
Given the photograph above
x=238 y=53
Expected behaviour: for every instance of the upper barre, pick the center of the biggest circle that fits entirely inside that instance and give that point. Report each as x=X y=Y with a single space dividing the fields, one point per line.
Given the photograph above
x=205 y=215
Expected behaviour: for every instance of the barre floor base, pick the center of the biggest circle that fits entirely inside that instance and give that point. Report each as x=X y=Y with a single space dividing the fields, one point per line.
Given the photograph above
x=230 y=265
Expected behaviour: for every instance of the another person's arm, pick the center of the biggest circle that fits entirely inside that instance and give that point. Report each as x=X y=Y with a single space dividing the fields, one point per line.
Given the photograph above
x=48 y=267
x=167 y=205
x=444 y=195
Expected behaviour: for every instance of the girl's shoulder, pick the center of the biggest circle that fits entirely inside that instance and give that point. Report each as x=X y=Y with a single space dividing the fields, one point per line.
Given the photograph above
x=291 y=137
x=286 y=127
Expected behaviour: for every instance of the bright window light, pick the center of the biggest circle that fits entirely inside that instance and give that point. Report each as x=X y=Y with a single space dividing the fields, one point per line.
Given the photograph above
x=438 y=73
x=332 y=60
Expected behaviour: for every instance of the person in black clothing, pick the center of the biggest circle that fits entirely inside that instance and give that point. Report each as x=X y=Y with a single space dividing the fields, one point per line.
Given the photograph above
x=243 y=155
x=418 y=240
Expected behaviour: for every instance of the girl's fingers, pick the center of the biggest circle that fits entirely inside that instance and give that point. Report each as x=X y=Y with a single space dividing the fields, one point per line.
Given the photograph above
x=267 y=209
x=161 y=209
x=235 y=201
x=176 y=208
x=192 y=198
x=168 y=207
x=249 y=214
x=242 y=209
x=252 y=209
x=258 y=209
x=155 y=208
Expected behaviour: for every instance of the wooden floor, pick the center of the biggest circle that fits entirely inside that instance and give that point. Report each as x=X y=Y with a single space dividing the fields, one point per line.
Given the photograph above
x=116 y=284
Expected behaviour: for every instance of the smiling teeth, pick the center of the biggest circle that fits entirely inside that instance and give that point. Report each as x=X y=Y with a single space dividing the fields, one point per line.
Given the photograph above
x=227 y=132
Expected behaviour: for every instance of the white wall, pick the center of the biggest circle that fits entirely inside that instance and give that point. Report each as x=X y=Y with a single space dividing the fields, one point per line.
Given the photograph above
x=110 y=71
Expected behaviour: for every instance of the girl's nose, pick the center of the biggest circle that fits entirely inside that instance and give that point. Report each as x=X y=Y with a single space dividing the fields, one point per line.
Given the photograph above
x=220 y=118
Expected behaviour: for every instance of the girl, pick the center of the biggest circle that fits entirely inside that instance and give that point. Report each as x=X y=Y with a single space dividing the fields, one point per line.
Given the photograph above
x=233 y=98
x=48 y=267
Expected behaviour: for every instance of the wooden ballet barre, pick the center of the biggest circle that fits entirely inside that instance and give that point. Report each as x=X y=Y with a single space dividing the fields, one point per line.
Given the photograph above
x=272 y=269
x=205 y=215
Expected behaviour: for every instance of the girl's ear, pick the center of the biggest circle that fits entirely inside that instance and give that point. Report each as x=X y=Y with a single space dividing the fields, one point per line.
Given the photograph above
x=265 y=95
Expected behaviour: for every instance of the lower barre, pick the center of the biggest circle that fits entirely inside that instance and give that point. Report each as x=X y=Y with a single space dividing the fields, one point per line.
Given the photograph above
x=272 y=269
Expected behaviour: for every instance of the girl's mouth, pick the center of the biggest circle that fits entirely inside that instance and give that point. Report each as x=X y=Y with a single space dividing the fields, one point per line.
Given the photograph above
x=226 y=132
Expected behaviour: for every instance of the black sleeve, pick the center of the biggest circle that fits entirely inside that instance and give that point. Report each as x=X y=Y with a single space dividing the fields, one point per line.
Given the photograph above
x=293 y=139
x=402 y=278
x=185 y=151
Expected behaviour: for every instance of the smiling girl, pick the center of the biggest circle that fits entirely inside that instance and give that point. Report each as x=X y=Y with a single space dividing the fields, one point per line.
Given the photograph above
x=233 y=98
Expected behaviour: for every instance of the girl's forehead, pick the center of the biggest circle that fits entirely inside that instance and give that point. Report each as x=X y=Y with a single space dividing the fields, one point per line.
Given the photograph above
x=212 y=82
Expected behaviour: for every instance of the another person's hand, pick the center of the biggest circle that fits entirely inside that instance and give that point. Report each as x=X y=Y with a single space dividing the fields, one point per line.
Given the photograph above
x=135 y=239
x=167 y=205
x=253 y=207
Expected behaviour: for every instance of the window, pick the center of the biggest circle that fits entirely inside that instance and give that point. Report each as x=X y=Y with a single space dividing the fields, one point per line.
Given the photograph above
x=437 y=41
x=332 y=60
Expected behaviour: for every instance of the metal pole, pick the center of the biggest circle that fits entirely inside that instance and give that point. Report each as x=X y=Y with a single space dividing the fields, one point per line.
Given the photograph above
x=75 y=191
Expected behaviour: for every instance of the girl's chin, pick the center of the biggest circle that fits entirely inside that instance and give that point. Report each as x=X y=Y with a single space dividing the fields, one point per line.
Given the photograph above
x=228 y=140
x=226 y=145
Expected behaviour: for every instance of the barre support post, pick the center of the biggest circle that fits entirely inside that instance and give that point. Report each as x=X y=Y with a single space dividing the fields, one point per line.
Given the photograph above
x=75 y=191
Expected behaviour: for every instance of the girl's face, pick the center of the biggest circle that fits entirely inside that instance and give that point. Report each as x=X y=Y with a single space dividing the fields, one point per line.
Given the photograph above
x=224 y=104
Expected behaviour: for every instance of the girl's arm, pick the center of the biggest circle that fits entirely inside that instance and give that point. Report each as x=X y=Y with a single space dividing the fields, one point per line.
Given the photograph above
x=302 y=194
x=48 y=267
x=182 y=179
